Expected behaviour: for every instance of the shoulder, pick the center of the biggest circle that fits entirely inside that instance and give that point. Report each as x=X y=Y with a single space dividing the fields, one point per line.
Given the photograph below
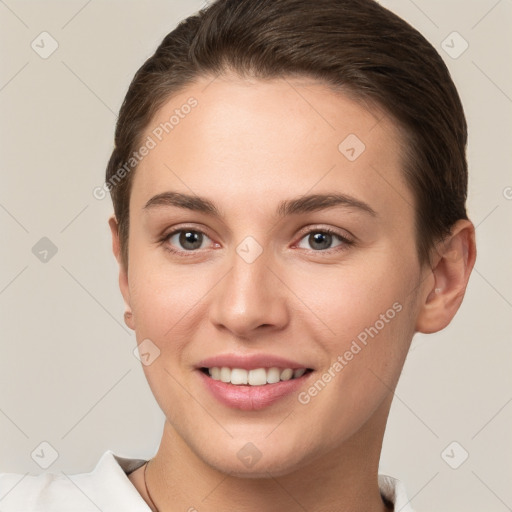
x=106 y=488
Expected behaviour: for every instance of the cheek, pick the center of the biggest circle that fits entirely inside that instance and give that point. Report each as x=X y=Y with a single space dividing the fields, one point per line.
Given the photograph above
x=348 y=298
x=365 y=330
x=162 y=300
x=168 y=302
x=363 y=314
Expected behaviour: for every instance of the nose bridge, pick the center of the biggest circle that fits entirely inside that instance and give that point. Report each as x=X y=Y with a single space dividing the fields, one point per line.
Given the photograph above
x=251 y=268
x=250 y=294
x=250 y=279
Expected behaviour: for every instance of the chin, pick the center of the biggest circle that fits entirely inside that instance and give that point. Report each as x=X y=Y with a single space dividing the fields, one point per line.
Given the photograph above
x=270 y=469
x=250 y=462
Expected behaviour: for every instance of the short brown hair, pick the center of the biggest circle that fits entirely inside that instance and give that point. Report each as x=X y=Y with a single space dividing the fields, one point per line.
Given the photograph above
x=356 y=46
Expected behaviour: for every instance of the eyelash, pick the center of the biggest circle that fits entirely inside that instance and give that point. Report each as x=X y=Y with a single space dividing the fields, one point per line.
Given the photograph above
x=346 y=242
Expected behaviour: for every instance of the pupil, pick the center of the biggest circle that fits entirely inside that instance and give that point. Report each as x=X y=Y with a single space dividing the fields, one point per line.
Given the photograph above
x=318 y=238
x=190 y=237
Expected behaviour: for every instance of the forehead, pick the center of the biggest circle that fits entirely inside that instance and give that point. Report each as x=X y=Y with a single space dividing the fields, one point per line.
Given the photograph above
x=253 y=142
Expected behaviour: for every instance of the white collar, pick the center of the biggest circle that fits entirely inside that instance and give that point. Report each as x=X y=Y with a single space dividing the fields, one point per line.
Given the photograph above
x=109 y=489
x=394 y=491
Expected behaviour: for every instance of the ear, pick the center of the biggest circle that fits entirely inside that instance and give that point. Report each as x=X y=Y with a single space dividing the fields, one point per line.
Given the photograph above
x=123 y=272
x=444 y=288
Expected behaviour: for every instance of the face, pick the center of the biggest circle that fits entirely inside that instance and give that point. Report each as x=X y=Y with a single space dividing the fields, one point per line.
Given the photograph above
x=250 y=265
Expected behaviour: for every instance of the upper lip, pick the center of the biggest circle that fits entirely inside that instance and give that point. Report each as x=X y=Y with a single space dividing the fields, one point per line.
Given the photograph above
x=249 y=361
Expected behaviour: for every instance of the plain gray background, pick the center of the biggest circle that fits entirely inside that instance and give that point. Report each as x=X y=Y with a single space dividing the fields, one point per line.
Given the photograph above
x=68 y=375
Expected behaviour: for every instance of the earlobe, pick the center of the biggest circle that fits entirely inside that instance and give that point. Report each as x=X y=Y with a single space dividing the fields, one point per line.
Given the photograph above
x=444 y=289
x=123 y=273
x=128 y=319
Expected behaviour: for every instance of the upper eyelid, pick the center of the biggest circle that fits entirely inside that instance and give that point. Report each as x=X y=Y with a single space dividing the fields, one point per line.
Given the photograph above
x=173 y=231
x=335 y=231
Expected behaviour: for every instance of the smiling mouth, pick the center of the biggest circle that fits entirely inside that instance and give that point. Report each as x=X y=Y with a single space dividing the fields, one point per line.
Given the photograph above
x=254 y=377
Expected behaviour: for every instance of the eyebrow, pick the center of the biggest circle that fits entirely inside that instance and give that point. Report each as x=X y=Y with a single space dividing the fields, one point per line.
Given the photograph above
x=302 y=204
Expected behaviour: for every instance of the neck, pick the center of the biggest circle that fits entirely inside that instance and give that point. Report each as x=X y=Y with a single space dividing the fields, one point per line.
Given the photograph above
x=344 y=479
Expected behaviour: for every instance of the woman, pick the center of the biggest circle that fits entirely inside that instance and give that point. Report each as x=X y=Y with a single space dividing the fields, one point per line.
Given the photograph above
x=289 y=183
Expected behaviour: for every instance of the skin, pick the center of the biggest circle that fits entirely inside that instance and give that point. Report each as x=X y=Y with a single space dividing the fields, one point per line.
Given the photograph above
x=248 y=145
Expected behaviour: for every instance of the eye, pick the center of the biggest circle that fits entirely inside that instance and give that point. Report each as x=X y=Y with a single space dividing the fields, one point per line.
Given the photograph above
x=322 y=239
x=188 y=240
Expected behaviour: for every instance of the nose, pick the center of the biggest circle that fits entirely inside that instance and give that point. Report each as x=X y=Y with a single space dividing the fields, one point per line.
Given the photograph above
x=251 y=298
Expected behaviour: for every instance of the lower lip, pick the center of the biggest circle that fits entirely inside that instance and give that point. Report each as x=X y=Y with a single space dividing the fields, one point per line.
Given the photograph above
x=252 y=398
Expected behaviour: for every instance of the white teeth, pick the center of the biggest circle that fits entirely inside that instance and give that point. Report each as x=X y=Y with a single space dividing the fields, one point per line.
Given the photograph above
x=238 y=376
x=225 y=374
x=256 y=377
x=299 y=373
x=287 y=374
x=273 y=375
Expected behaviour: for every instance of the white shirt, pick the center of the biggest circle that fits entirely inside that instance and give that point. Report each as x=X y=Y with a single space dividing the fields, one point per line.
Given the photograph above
x=108 y=489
